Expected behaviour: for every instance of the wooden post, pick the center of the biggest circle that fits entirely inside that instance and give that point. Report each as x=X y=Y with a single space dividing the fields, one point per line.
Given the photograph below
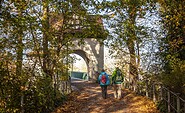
x=161 y=92
x=154 y=95
x=147 y=88
x=65 y=87
x=22 y=103
x=178 y=104
x=169 y=102
x=130 y=83
x=69 y=81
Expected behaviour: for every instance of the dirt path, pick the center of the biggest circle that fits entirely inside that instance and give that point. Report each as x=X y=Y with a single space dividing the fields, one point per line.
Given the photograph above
x=87 y=99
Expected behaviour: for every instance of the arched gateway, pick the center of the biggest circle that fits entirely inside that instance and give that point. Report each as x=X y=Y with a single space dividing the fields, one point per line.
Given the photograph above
x=93 y=54
x=88 y=28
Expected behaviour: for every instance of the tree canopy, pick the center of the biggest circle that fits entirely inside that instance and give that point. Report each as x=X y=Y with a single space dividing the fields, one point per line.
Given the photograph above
x=35 y=39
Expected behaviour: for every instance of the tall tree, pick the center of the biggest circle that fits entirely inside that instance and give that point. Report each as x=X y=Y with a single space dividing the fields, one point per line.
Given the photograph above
x=20 y=26
x=45 y=30
x=124 y=26
x=172 y=47
x=29 y=36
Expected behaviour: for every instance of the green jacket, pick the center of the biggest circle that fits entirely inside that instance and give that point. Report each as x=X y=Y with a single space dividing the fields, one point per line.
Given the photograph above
x=115 y=77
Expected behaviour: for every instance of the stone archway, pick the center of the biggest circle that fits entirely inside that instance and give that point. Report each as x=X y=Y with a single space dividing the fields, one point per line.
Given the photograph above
x=83 y=55
x=93 y=54
x=89 y=26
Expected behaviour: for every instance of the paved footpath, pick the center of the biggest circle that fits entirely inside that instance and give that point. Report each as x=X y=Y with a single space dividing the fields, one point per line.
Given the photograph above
x=88 y=99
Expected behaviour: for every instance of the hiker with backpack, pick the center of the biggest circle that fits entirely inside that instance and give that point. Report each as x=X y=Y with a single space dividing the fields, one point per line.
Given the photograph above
x=104 y=81
x=117 y=80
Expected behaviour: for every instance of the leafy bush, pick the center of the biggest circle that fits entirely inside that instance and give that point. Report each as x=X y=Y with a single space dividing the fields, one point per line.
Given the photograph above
x=37 y=93
x=161 y=106
x=175 y=78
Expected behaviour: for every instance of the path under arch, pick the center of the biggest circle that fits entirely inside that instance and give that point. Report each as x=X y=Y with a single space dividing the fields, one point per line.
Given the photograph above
x=86 y=98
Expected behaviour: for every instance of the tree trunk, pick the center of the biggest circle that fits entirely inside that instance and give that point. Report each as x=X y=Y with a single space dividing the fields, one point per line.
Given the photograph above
x=131 y=46
x=19 y=47
x=19 y=55
x=138 y=55
x=133 y=66
x=45 y=24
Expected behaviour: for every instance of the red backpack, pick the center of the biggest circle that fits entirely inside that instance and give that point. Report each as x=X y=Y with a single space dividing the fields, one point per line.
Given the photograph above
x=103 y=79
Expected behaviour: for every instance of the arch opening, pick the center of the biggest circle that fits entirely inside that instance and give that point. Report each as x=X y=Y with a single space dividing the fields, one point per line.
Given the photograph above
x=79 y=67
x=78 y=63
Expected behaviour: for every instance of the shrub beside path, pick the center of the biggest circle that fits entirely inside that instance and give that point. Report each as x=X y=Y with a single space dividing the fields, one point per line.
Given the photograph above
x=86 y=98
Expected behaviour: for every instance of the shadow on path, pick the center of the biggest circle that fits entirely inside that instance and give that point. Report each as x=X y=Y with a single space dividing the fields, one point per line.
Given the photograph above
x=86 y=98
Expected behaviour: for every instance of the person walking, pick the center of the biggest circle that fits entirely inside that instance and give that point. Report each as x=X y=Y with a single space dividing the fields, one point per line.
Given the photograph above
x=117 y=80
x=104 y=81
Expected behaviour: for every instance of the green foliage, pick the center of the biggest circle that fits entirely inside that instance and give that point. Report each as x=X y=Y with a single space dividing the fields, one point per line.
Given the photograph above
x=132 y=33
x=174 y=77
x=161 y=106
x=10 y=85
x=172 y=46
x=31 y=43
x=37 y=92
x=40 y=96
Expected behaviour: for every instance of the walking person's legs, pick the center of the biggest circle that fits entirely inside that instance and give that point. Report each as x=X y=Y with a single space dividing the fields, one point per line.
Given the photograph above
x=115 y=91
x=119 y=91
x=104 y=91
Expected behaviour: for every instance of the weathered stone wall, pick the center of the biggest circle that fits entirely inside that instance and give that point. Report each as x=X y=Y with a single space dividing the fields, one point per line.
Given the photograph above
x=93 y=54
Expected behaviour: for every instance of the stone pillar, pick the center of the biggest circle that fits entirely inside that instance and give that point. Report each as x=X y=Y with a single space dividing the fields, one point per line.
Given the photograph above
x=90 y=69
x=100 y=58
